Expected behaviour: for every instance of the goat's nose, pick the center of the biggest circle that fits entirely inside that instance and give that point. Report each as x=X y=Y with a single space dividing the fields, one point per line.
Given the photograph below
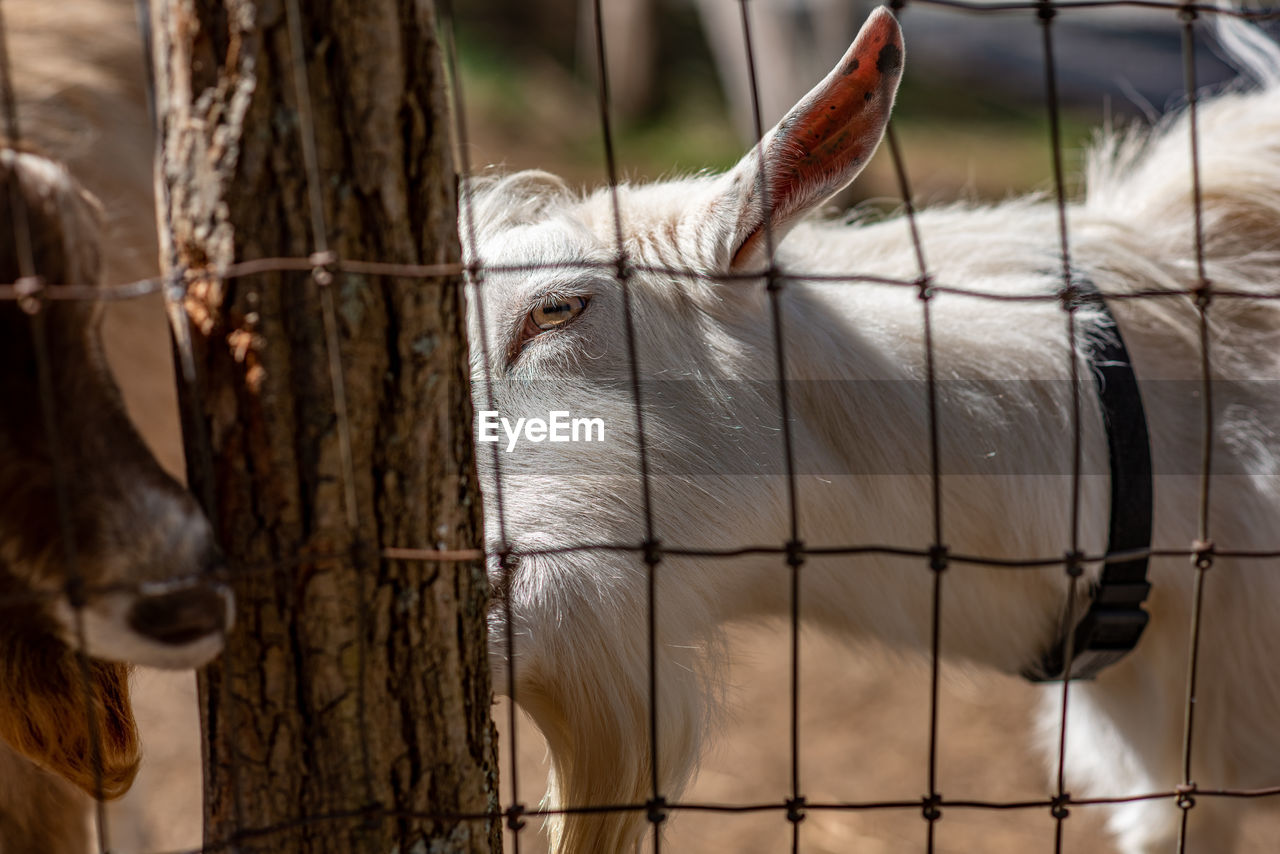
x=181 y=616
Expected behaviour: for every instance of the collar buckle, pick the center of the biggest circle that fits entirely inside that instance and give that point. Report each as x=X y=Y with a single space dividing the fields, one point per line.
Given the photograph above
x=1104 y=636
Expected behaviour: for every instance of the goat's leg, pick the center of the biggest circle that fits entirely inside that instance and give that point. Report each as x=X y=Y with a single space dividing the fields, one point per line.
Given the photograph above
x=1124 y=737
x=1151 y=827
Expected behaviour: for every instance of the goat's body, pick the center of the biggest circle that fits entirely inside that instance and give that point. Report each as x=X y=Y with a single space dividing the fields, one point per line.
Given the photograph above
x=855 y=360
x=1134 y=232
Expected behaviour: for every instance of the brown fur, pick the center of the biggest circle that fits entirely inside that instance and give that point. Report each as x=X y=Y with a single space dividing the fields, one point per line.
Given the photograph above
x=79 y=82
x=67 y=715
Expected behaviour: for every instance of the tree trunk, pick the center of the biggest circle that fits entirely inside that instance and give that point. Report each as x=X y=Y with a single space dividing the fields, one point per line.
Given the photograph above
x=350 y=711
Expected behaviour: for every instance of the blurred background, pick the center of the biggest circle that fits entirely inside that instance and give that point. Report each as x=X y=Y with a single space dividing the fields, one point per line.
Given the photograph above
x=970 y=115
x=973 y=125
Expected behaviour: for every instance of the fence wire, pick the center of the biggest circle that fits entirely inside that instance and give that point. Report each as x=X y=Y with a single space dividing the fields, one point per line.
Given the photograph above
x=935 y=557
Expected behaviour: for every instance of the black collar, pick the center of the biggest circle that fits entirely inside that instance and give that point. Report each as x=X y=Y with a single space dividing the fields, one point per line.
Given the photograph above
x=1114 y=621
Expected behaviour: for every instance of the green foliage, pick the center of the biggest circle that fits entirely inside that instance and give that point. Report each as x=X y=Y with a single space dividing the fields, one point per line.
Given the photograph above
x=526 y=108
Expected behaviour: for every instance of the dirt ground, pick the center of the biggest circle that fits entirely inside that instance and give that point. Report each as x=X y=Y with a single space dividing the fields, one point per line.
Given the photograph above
x=864 y=736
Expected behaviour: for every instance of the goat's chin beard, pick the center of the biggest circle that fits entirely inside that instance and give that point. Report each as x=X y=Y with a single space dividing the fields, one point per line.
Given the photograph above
x=101 y=631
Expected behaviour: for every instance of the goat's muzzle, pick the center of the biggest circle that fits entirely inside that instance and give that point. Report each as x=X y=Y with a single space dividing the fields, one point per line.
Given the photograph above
x=167 y=624
x=183 y=616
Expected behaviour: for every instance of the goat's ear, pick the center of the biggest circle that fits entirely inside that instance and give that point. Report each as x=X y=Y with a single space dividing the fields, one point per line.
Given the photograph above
x=46 y=716
x=818 y=147
x=517 y=199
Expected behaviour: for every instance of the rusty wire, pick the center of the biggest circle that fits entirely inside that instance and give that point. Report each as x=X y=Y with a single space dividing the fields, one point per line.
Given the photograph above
x=774 y=284
x=323 y=280
x=622 y=272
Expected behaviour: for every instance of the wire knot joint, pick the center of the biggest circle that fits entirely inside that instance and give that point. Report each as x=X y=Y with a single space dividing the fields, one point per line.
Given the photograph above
x=1069 y=297
x=622 y=269
x=652 y=551
x=175 y=289
x=795 y=554
x=774 y=280
x=320 y=264
x=1202 y=294
x=1073 y=562
x=30 y=290
x=1202 y=554
x=924 y=288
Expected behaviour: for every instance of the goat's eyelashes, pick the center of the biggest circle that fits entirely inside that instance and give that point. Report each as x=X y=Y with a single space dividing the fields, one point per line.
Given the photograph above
x=551 y=313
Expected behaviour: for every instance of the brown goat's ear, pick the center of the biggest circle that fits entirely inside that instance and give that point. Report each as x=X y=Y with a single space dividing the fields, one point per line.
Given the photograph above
x=46 y=716
x=821 y=145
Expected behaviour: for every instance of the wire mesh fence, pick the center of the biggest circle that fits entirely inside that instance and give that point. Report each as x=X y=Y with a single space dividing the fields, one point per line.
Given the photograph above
x=648 y=548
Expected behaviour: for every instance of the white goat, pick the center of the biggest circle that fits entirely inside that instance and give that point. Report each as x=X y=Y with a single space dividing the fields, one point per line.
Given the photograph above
x=556 y=339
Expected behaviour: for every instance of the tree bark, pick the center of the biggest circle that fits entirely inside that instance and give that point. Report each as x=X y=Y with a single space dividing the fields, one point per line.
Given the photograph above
x=350 y=711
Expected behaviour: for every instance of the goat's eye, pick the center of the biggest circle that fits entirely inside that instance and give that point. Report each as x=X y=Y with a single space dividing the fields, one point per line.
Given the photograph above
x=551 y=314
x=555 y=313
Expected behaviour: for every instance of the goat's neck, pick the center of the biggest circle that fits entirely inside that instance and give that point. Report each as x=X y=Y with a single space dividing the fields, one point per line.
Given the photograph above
x=1005 y=489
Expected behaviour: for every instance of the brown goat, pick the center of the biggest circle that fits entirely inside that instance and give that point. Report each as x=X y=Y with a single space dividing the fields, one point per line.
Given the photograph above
x=104 y=559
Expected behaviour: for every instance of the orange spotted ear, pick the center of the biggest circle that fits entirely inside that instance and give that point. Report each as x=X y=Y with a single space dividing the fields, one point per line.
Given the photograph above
x=45 y=715
x=822 y=144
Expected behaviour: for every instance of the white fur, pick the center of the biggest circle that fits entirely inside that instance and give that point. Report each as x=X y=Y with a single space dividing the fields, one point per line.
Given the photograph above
x=579 y=618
